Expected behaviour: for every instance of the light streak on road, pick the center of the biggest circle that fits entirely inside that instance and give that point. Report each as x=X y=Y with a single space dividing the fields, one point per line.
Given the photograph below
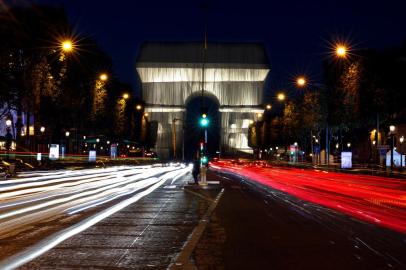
x=48 y=195
x=374 y=199
x=149 y=182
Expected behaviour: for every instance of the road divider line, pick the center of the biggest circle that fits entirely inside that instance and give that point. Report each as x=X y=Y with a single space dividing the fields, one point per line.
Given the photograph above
x=182 y=261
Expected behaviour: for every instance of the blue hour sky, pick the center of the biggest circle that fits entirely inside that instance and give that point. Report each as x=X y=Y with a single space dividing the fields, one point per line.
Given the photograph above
x=296 y=34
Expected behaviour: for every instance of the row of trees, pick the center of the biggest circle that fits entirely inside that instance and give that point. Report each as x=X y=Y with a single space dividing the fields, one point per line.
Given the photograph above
x=60 y=89
x=359 y=92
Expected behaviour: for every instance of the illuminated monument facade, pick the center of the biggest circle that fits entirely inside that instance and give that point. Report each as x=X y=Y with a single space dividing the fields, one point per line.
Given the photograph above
x=171 y=75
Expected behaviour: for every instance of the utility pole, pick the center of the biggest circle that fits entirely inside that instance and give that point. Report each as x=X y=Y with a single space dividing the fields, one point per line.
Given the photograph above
x=174 y=136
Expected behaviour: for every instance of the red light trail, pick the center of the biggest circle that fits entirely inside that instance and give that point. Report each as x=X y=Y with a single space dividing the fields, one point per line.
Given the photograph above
x=374 y=199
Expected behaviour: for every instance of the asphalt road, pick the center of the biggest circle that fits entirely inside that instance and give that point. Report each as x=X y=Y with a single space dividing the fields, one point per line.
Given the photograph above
x=256 y=226
x=61 y=219
x=104 y=219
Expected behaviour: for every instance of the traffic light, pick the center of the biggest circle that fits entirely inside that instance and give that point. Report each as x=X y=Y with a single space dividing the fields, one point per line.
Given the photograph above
x=204 y=121
x=201 y=146
x=204 y=160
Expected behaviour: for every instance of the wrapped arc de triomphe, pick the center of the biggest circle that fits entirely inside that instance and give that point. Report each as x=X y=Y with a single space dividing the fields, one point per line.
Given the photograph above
x=234 y=75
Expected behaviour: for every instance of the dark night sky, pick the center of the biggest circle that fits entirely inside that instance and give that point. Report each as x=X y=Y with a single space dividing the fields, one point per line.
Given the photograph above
x=295 y=33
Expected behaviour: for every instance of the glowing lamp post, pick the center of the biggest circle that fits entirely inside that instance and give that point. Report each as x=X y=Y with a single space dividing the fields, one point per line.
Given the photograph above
x=103 y=77
x=9 y=137
x=281 y=97
x=67 y=134
x=67 y=46
x=301 y=82
x=392 y=129
x=401 y=139
x=341 y=51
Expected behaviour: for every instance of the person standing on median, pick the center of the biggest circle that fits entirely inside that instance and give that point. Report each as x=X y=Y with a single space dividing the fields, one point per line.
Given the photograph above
x=196 y=170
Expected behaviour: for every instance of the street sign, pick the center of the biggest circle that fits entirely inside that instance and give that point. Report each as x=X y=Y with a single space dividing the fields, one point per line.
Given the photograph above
x=396 y=159
x=113 y=150
x=54 y=152
x=92 y=156
x=346 y=160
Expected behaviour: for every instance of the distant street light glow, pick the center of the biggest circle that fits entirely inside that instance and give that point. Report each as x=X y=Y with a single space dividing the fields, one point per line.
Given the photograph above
x=301 y=81
x=281 y=96
x=341 y=51
x=67 y=46
x=103 y=77
x=268 y=106
x=126 y=96
x=138 y=107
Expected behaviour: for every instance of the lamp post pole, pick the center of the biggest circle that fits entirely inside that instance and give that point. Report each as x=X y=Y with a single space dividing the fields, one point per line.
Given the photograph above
x=174 y=137
x=401 y=152
x=392 y=134
x=9 y=137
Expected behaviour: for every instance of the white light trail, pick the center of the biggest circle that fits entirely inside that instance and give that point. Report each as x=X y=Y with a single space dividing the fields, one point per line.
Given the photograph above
x=149 y=181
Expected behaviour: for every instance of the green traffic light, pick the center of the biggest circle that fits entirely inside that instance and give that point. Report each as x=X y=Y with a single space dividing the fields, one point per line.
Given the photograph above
x=204 y=160
x=204 y=122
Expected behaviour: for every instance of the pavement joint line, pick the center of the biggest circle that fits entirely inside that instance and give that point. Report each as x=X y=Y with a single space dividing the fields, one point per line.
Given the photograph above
x=199 y=195
x=182 y=261
x=144 y=230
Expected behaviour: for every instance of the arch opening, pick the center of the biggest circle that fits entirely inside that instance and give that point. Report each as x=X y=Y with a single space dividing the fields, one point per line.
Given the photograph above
x=194 y=133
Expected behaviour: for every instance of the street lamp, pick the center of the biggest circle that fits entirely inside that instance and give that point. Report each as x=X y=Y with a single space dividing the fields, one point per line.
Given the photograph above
x=341 y=51
x=42 y=129
x=103 y=77
x=296 y=152
x=138 y=107
x=67 y=134
x=281 y=97
x=8 y=123
x=348 y=145
x=67 y=46
x=268 y=106
x=9 y=137
x=126 y=96
x=301 y=81
x=401 y=139
x=392 y=129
